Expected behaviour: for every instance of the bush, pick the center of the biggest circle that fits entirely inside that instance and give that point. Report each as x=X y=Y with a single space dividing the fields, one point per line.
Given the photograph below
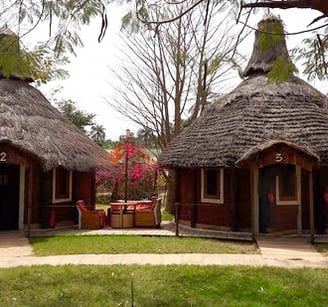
x=103 y=198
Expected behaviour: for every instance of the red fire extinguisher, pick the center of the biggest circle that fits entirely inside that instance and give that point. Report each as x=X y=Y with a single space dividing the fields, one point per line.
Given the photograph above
x=52 y=222
x=271 y=198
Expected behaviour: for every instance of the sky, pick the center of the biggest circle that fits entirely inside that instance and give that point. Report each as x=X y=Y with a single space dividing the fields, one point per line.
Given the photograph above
x=89 y=72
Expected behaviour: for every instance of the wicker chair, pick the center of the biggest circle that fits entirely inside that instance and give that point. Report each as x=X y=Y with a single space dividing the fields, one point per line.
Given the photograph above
x=149 y=217
x=90 y=219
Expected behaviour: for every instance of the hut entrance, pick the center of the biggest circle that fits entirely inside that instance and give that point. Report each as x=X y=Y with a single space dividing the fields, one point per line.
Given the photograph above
x=9 y=196
x=279 y=197
x=266 y=191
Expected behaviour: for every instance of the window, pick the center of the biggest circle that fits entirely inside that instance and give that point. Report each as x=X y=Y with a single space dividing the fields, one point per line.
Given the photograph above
x=212 y=185
x=61 y=185
x=288 y=185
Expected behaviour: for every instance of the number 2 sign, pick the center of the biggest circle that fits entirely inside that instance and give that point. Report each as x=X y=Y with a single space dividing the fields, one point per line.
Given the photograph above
x=3 y=156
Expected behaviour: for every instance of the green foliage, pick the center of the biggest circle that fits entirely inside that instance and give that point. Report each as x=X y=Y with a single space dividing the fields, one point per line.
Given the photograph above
x=281 y=70
x=271 y=34
x=214 y=64
x=98 y=134
x=83 y=120
x=38 y=65
x=79 y=118
x=313 y=55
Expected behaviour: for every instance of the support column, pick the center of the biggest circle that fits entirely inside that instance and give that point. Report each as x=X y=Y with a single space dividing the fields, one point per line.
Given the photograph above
x=299 y=198
x=233 y=205
x=29 y=200
x=21 y=196
x=254 y=201
x=193 y=205
x=311 y=207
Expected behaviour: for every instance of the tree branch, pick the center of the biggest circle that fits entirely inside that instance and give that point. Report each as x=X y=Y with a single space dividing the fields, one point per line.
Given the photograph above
x=321 y=6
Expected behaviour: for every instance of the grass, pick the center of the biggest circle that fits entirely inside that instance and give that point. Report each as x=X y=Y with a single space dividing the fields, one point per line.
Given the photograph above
x=322 y=248
x=118 y=244
x=162 y=286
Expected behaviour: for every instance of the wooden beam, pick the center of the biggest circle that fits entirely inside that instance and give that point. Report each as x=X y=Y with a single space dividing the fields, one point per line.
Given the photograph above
x=318 y=5
x=299 y=198
x=29 y=200
x=311 y=207
x=254 y=174
x=193 y=204
x=233 y=205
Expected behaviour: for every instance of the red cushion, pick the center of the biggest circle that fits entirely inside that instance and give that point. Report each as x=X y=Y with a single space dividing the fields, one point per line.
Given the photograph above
x=115 y=208
x=143 y=206
x=130 y=208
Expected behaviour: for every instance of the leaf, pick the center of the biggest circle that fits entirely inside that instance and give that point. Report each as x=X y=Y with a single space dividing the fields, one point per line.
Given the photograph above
x=281 y=70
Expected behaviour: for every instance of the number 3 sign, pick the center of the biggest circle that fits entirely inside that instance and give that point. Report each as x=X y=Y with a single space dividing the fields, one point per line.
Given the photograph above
x=278 y=157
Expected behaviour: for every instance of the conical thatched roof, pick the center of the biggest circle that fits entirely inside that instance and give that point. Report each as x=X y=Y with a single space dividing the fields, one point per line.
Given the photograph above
x=256 y=112
x=29 y=122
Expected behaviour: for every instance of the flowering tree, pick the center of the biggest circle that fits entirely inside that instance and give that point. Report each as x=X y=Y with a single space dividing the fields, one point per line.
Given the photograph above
x=133 y=172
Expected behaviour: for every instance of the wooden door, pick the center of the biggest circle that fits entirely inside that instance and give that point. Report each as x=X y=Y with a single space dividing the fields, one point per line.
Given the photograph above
x=266 y=186
x=9 y=196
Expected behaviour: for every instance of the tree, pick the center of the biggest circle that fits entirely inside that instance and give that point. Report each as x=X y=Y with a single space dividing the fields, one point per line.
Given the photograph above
x=79 y=118
x=64 y=19
x=84 y=121
x=174 y=69
x=313 y=50
x=98 y=134
x=171 y=75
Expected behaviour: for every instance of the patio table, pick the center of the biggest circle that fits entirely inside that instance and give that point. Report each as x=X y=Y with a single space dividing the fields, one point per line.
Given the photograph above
x=121 y=216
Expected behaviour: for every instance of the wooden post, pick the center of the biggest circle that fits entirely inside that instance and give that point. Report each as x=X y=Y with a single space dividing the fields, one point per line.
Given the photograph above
x=233 y=207
x=193 y=205
x=299 y=197
x=311 y=207
x=126 y=170
x=29 y=200
x=176 y=219
x=254 y=201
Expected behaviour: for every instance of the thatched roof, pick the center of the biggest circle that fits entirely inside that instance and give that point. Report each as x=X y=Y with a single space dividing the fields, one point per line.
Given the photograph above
x=256 y=112
x=28 y=121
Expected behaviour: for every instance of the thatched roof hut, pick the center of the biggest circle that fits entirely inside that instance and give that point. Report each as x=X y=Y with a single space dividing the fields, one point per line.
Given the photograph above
x=30 y=122
x=256 y=159
x=47 y=164
x=255 y=112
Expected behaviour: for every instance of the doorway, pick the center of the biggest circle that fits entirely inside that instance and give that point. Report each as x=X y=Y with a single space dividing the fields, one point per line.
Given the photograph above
x=266 y=186
x=9 y=196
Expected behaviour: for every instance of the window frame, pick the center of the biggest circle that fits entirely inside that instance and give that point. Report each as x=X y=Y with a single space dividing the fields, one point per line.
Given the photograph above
x=56 y=199
x=297 y=199
x=206 y=199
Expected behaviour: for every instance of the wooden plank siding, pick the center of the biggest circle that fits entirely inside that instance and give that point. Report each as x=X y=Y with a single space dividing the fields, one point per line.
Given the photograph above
x=41 y=197
x=216 y=214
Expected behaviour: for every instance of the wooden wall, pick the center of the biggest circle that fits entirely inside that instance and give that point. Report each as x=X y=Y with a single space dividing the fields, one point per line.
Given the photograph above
x=234 y=213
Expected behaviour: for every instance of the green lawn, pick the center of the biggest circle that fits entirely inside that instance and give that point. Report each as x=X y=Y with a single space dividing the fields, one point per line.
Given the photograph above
x=171 y=286
x=322 y=247
x=94 y=244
